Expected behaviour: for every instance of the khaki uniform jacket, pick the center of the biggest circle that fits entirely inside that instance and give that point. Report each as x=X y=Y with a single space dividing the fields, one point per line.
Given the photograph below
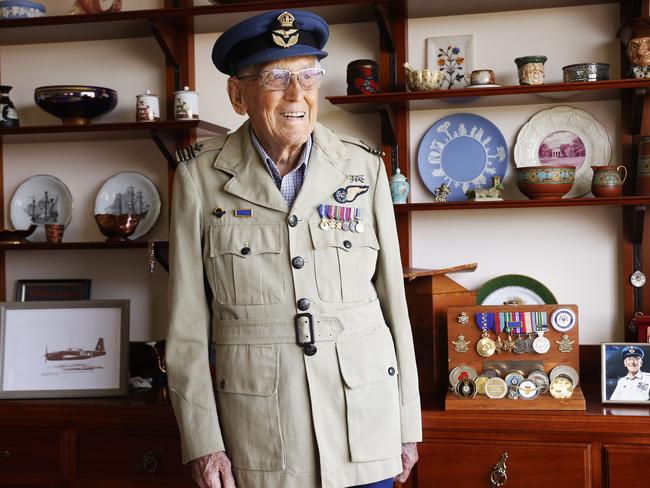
x=286 y=419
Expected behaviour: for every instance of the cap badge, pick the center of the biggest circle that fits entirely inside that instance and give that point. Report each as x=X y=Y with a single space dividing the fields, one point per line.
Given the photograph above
x=285 y=33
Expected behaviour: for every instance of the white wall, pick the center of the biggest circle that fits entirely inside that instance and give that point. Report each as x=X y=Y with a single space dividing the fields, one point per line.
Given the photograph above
x=573 y=251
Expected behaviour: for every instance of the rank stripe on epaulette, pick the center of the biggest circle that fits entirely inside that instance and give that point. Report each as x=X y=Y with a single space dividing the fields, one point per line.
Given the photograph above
x=365 y=146
x=189 y=152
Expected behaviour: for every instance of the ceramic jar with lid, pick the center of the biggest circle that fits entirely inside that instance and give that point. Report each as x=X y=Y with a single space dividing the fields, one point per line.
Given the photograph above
x=186 y=104
x=8 y=114
x=399 y=187
x=363 y=77
x=147 y=107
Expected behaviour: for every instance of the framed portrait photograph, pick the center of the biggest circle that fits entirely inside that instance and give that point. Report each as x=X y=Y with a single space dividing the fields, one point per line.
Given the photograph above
x=625 y=376
x=58 y=349
x=46 y=290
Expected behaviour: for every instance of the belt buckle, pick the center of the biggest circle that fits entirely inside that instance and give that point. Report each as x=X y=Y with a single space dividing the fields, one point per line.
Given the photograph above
x=305 y=337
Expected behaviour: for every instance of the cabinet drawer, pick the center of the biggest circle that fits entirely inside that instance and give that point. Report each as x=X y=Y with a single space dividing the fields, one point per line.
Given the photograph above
x=468 y=464
x=33 y=454
x=132 y=455
x=627 y=465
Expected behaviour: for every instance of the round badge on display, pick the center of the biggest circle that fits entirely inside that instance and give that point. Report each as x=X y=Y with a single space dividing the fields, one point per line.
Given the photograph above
x=541 y=380
x=460 y=373
x=480 y=382
x=541 y=345
x=466 y=388
x=567 y=371
x=528 y=390
x=563 y=319
x=637 y=279
x=514 y=378
x=561 y=387
x=496 y=388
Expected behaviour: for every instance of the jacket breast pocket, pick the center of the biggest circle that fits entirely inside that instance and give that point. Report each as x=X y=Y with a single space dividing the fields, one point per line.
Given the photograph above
x=369 y=369
x=247 y=264
x=344 y=262
x=247 y=383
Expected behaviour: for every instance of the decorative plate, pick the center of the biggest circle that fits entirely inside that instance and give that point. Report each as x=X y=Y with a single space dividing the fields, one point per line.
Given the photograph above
x=514 y=289
x=130 y=192
x=452 y=56
x=41 y=199
x=564 y=136
x=464 y=151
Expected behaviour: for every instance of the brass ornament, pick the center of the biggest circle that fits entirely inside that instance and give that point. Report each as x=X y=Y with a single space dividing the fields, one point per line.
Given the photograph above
x=460 y=344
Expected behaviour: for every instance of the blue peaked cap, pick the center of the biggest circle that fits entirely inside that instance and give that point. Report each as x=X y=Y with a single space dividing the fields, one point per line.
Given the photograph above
x=632 y=351
x=268 y=37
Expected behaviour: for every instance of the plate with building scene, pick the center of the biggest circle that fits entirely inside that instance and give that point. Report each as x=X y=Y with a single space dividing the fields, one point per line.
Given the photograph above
x=464 y=152
x=564 y=136
x=130 y=192
x=39 y=200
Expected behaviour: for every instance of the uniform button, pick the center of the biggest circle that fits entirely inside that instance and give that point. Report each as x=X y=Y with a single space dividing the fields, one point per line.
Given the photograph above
x=391 y=371
x=309 y=349
x=303 y=304
x=347 y=244
x=298 y=262
x=293 y=221
x=246 y=250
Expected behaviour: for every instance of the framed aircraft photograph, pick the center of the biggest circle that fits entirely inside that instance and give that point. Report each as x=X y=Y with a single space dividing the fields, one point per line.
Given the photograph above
x=62 y=349
x=625 y=372
x=47 y=290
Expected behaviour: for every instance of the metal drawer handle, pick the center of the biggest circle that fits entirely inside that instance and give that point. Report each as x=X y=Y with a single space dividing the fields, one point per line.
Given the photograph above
x=4 y=453
x=499 y=477
x=151 y=460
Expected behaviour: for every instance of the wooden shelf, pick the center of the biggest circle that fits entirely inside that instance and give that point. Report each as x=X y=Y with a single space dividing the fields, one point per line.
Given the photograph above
x=111 y=131
x=137 y=23
x=496 y=96
x=563 y=202
x=43 y=246
x=422 y=8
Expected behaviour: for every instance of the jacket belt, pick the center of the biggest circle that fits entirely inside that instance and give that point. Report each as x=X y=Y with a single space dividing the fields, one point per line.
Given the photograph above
x=341 y=324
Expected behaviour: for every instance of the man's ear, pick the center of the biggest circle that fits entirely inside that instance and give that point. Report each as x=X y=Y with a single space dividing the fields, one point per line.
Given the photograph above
x=236 y=94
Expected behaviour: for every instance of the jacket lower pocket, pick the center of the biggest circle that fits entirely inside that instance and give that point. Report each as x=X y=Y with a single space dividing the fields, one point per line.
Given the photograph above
x=369 y=370
x=248 y=406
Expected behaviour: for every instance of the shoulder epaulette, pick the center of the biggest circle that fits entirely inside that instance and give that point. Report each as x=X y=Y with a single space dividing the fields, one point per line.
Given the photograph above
x=363 y=145
x=190 y=152
x=186 y=153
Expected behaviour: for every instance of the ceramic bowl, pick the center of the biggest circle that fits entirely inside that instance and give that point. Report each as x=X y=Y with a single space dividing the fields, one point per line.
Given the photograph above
x=20 y=9
x=586 y=72
x=117 y=227
x=422 y=79
x=75 y=104
x=545 y=182
x=10 y=236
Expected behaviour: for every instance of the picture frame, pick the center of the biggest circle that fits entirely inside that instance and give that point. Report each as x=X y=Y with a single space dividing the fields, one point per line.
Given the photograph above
x=625 y=378
x=64 y=349
x=50 y=290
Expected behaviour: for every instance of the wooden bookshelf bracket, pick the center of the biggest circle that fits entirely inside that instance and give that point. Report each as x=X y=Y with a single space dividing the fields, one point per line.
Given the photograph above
x=388 y=135
x=166 y=143
x=166 y=34
x=386 y=42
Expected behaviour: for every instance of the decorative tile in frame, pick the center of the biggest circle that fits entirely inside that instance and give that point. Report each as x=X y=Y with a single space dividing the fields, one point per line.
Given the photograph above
x=64 y=349
x=625 y=375
x=453 y=56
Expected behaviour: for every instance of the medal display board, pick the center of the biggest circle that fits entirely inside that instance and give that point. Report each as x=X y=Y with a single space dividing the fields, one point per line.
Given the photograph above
x=515 y=341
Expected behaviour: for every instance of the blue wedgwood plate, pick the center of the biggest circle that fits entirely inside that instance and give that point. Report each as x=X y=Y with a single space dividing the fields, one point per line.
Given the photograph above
x=464 y=151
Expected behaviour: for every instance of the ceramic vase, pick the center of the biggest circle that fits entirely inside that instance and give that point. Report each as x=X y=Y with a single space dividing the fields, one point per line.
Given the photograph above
x=608 y=181
x=531 y=70
x=8 y=114
x=399 y=187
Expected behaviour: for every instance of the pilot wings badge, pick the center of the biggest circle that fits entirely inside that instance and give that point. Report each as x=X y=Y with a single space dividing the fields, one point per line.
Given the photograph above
x=349 y=193
x=286 y=32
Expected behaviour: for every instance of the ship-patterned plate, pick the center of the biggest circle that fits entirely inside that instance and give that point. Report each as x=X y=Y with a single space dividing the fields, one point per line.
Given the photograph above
x=40 y=199
x=130 y=192
x=463 y=151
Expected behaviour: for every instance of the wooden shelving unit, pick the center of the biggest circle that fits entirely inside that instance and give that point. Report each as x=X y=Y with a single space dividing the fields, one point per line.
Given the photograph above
x=496 y=96
x=563 y=202
x=64 y=246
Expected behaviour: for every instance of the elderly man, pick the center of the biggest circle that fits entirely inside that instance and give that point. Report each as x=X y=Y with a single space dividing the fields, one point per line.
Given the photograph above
x=635 y=385
x=293 y=229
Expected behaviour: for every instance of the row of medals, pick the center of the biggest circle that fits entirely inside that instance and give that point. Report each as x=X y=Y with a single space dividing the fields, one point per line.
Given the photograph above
x=345 y=225
x=486 y=346
x=560 y=383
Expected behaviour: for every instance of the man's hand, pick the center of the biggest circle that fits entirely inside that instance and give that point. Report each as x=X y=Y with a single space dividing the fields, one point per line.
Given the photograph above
x=409 y=458
x=213 y=471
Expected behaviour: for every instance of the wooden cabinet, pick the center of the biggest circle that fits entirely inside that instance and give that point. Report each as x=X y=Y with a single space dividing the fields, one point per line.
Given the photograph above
x=626 y=465
x=116 y=443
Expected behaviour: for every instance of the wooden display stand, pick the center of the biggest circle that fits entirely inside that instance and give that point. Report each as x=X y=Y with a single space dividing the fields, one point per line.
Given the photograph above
x=428 y=294
x=550 y=360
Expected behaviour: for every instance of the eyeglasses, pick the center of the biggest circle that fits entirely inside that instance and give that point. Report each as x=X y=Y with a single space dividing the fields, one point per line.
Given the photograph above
x=280 y=79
